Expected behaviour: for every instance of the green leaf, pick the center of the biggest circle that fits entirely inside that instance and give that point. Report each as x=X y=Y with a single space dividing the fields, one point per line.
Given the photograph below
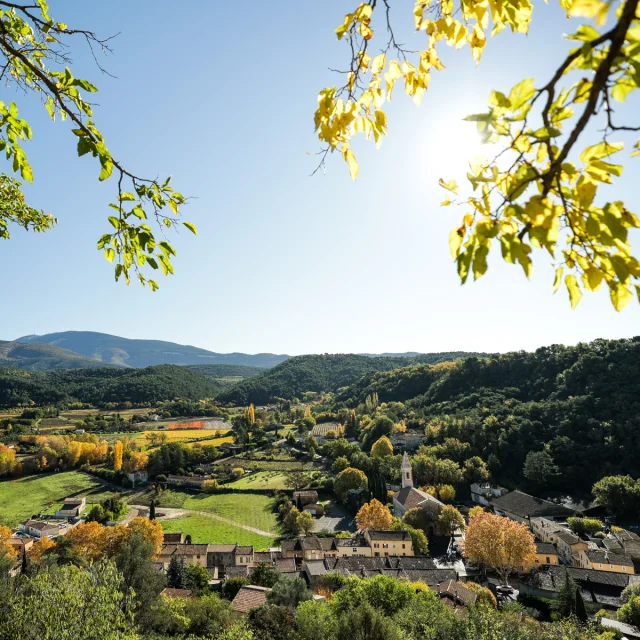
x=107 y=167
x=191 y=227
x=125 y=196
x=109 y=254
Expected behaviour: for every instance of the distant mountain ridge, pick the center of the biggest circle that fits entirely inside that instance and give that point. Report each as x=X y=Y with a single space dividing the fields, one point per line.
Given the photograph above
x=139 y=353
x=44 y=357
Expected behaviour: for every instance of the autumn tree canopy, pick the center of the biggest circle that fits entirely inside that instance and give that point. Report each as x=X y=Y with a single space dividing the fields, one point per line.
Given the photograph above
x=499 y=543
x=36 y=52
x=540 y=187
x=374 y=515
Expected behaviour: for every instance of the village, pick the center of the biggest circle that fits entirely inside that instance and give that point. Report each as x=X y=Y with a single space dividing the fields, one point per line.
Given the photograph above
x=601 y=563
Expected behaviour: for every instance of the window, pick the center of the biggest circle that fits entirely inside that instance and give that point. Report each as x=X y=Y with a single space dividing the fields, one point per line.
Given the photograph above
x=403 y=546
x=376 y=545
x=611 y=566
x=355 y=549
x=386 y=553
x=548 y=560
x=385 y=545
x=403 y=553
x=600 y=565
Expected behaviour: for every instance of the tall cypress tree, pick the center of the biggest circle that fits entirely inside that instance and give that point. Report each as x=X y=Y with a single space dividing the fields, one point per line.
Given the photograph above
x=581 y=610
x=152 y=510
x=175 y=572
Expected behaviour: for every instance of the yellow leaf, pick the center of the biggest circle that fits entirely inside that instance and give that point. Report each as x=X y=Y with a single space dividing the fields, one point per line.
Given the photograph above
x=350 y=159
x=620 y=295
x=379 y=63
x=446 y=203
x=455 y=241
x=558 y=280
x=589 y=9
x=593 y=278
x=600 y=150
x=574 y=290
x=450 y=186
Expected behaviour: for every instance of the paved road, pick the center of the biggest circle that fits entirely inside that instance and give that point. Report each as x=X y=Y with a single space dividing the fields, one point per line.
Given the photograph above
x=169 y=514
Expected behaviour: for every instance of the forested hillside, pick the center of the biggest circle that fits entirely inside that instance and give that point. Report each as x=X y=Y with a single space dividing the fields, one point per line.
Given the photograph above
x=99 y=386
x=319 y=373
x=577 y=408
x=43 y=357
x=216 y=371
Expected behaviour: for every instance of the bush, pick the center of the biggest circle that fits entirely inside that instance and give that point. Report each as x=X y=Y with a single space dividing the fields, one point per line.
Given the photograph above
x=238 y=472
x=210 y=486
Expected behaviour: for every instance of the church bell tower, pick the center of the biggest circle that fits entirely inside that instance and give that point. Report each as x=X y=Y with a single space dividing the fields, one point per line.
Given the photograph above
x=407 y=474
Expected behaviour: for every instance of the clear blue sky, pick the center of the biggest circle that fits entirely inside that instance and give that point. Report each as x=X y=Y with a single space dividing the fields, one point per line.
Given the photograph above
x=221 y=95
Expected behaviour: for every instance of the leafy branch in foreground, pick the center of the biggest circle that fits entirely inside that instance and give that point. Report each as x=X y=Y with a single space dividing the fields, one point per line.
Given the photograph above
x=34 y=57
x=531 y=194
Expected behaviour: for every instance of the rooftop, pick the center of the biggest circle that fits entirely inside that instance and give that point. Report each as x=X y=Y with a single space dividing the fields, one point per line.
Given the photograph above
x=524 y=506
x=457 y=590
x=410 y=497
x=249 y=597
x=184 y=549
x=546 y=547
x=602 y=556
x=389 y=535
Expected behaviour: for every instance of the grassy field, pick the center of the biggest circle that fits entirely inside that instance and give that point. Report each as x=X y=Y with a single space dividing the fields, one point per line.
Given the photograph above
x=244 y=508
x=208 y=530
x=270 y=465
x=19 y=499
x=262 y=480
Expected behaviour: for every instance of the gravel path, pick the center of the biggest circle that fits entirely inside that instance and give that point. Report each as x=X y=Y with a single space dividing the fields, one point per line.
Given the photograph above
x=169 y=514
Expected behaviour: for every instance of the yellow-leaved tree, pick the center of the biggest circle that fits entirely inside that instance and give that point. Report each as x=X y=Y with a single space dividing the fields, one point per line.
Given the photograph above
x=382 y=447
x=118 y=449
x=374 y=515
x=499 y=543
x=540 y=188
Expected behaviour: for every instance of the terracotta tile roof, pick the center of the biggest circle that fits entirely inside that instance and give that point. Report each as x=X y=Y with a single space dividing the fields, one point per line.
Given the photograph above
x=410 y=497
x=220 y=548
x=249 y=597
x=236 y=572
x=408 y=562
x=176 y=593
x=456 y=590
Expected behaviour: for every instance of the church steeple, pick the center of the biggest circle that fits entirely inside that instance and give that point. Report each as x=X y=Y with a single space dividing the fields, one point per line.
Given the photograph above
x=407 y=474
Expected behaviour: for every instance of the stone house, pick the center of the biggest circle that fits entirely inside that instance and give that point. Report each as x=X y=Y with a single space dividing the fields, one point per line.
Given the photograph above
x=521 y=507
x=71 y=508
x=389 y=543
x=604 y=560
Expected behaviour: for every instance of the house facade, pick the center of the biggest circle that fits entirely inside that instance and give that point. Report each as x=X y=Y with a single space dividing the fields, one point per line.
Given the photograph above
x=389 y=543
x=39 y=529
x=604 y=560
x=190 y=553
x=71 y=508
x=483 y=492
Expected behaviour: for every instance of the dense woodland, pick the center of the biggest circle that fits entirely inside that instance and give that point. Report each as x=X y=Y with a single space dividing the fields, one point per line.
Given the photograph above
x=319 y=373
x=225 y=370
x=106 y=385
x=576 y=408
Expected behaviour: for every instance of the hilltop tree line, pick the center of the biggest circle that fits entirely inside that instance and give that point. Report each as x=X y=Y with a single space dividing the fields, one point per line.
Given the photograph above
x=103 y=386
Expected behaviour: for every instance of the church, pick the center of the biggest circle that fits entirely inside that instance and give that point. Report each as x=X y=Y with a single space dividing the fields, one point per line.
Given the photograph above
x=409 y=497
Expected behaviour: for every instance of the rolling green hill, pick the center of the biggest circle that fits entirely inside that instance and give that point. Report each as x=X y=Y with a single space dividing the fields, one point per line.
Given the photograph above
x=319 y=373
x=43 y=357
x=99 y=386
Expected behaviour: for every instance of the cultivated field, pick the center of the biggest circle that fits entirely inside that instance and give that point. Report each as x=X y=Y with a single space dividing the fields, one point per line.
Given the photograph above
x=208 y=530
x=20 y=499
x=270 y=465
